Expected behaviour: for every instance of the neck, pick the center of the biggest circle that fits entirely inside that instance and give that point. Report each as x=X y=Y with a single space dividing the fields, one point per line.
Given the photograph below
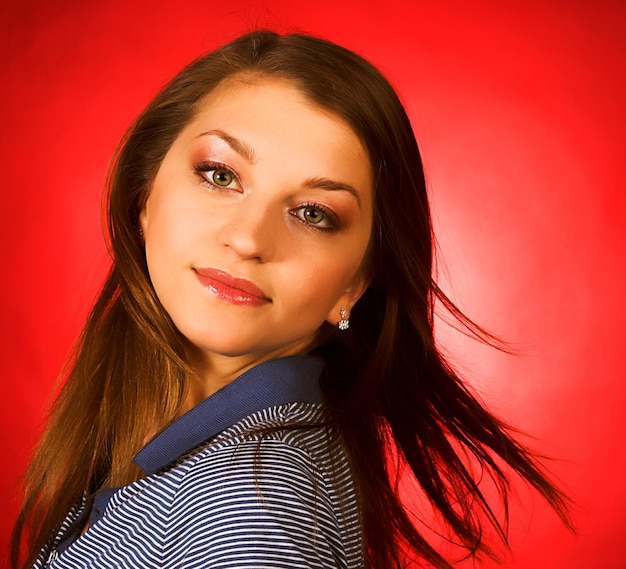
x=215 y=371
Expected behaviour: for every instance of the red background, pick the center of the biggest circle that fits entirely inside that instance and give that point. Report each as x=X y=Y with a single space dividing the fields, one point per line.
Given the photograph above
x=519 y=110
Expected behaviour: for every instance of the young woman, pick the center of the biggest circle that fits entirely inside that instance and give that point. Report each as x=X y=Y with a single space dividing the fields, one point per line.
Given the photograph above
x=263 y=345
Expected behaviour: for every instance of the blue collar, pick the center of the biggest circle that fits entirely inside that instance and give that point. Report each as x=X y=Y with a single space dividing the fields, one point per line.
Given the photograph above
x=294 y=379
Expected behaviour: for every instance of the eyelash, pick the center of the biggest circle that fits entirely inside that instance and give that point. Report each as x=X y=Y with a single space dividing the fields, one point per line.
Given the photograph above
x=203 y=168
x=328 y=214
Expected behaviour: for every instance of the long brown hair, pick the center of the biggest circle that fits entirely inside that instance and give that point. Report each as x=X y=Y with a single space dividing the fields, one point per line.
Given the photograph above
x=386 y=382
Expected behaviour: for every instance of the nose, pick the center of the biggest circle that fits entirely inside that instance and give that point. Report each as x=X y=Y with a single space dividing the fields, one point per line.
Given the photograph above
x=251 y=230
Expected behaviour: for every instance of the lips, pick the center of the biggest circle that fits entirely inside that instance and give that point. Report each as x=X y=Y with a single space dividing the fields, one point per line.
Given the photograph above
x=231 y=289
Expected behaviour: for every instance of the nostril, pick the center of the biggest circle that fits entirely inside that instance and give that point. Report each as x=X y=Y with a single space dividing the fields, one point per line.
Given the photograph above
x=249 y=238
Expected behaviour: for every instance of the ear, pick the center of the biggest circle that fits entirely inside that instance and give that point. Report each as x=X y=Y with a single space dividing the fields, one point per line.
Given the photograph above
x=142 y=222
x=348 y=299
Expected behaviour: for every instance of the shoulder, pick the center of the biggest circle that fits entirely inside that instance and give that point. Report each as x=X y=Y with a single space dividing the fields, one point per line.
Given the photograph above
x=262 y=455
x=260 y=489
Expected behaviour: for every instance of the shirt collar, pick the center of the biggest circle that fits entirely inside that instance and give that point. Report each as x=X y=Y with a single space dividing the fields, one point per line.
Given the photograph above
x=293 y=379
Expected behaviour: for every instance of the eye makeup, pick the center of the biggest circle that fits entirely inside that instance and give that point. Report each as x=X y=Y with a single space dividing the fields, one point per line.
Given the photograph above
x=217 y=175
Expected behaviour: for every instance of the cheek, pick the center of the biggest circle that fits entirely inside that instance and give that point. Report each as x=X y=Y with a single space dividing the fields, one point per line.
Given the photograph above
x=162 y=245
x=167 y=248
x=317 y=286
x=172 y=226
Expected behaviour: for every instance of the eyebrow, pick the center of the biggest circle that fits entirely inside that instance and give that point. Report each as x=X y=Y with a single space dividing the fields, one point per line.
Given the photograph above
x=248 y=153
x=239 y=146
x=332 y=185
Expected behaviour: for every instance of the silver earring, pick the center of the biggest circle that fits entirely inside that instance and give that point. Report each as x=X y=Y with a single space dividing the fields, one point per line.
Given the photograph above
x=344 y=323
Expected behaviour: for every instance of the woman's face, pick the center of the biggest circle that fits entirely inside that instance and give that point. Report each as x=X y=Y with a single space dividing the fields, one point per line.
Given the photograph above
x=258 y=221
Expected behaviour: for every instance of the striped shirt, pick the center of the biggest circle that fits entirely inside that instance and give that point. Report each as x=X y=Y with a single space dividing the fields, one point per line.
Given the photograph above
x=218 y=493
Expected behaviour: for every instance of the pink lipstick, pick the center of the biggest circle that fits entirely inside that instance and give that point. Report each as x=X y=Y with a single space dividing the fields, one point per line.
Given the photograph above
x=231 y=289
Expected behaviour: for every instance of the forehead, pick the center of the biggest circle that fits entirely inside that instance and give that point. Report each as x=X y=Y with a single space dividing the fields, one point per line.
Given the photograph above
x=251 y=91
x=266 y=112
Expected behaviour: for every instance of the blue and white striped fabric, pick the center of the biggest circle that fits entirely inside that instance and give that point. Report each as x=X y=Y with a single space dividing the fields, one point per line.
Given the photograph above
x=238 y=499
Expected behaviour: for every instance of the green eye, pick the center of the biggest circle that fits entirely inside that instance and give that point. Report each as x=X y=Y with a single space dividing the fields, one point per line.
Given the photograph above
x=316 y=217
x=313 y=215
x=222 y=177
